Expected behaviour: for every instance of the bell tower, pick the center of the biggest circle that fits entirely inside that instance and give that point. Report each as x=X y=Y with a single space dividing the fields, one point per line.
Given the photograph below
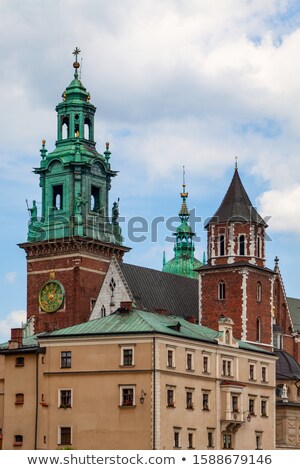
x=235 y=282
x=70 y=244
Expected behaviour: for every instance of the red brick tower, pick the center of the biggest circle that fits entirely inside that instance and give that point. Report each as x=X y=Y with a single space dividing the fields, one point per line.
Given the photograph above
x=235 y=281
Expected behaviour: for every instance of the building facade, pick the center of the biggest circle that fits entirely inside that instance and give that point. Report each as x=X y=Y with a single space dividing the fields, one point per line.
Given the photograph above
x=138 y=380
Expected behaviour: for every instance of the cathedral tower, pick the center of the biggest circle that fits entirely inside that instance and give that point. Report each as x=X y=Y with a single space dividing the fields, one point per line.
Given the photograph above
x=235 y=281
x=71 y=242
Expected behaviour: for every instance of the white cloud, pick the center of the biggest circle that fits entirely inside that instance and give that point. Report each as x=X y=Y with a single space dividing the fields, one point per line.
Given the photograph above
x=283 y=207
x=11 y=277
x=13 y=320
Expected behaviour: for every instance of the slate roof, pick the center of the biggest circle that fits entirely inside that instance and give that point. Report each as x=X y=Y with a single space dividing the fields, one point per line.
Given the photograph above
x=236 y=205
x=286 y=366
x=153 y=289
x=294 y=308
x=142 y=322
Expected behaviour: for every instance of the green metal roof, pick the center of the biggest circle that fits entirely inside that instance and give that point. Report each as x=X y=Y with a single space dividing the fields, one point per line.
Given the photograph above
x=142 y=322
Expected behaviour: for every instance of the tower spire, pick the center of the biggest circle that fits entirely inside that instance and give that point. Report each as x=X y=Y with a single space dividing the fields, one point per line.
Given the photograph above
x=184 y=212
x=76 y=64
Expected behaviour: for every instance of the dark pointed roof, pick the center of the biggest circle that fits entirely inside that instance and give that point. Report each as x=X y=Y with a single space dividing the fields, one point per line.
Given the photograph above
x=236 y=205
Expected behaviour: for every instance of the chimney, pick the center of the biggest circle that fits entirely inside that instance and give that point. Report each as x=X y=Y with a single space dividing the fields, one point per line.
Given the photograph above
x=16 y=338
x=192 y=320
x=125 y=306
x=161 y=311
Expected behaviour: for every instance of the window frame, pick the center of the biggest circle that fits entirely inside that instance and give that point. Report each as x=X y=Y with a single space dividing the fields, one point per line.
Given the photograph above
x=68 y=398
x=65 y=359
x=123 y=402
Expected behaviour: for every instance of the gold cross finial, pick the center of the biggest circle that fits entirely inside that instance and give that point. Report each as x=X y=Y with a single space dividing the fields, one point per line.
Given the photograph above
x=76 y=52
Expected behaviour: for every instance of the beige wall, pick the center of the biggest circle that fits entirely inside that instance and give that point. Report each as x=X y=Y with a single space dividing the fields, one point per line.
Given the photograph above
x=19 y=419
x=99 y=422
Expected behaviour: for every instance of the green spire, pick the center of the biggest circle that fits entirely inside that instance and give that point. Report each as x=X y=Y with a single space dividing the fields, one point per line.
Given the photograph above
x=184 y=262
x=75 y=178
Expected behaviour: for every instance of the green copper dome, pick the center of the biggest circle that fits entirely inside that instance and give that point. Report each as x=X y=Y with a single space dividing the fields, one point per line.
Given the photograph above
x=184 y=262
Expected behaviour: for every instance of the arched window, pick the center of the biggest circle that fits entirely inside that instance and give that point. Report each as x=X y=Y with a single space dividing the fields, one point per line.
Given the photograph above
x=222 y=245
x=258 y=292
x=87 y=128
x=258 y=329
x=103 y=311
x=221 y=290
x=242 y=245
x=65 y=128
x=227 y=337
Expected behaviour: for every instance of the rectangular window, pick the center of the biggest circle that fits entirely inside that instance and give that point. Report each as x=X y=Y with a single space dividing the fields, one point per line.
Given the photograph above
x=65 y=436
x=18 y=440
x=251 y=406
x=263 y=407
x=235 y=403
x=189 y=361
x=170 y=358
x=20 y=361
x=258 y=440
x=189 y=400
x=65 y=359
x=205 y=401
x=251 y=372
x=227 y=441
x=19 y=399
x=127 y=356
x=127 y=396
x=227 y=368
x=65 y=399
x=190 y=440
x=205 y=364
x=210 y=439
x=176 y=439
x=170 y=397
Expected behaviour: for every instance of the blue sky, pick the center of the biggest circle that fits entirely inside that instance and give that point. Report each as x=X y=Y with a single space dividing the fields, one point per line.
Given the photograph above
x=175 y=83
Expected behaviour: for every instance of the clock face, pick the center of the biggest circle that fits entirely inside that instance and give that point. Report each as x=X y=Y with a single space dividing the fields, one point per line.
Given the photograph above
x=51 y=296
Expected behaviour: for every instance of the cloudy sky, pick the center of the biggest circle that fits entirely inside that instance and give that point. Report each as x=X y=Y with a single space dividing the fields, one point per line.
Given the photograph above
x=175 y=82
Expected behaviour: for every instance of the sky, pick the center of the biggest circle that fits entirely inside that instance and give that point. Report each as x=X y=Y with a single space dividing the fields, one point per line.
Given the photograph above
x=176 y=83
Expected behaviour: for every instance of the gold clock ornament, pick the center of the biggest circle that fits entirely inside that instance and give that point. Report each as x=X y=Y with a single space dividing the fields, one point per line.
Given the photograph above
x=51 y=296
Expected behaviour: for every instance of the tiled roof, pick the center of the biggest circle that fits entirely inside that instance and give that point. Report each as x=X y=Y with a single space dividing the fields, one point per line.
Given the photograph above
x=294 y=308
x=236 y=205
x=153 y=289
x=142 y=322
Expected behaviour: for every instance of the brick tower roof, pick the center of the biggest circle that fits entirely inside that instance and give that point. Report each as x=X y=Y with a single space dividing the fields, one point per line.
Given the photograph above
x=236 y=205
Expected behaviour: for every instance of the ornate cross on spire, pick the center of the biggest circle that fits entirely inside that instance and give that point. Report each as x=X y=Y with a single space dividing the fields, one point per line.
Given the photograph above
x=76 y=53
x=76 y=64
